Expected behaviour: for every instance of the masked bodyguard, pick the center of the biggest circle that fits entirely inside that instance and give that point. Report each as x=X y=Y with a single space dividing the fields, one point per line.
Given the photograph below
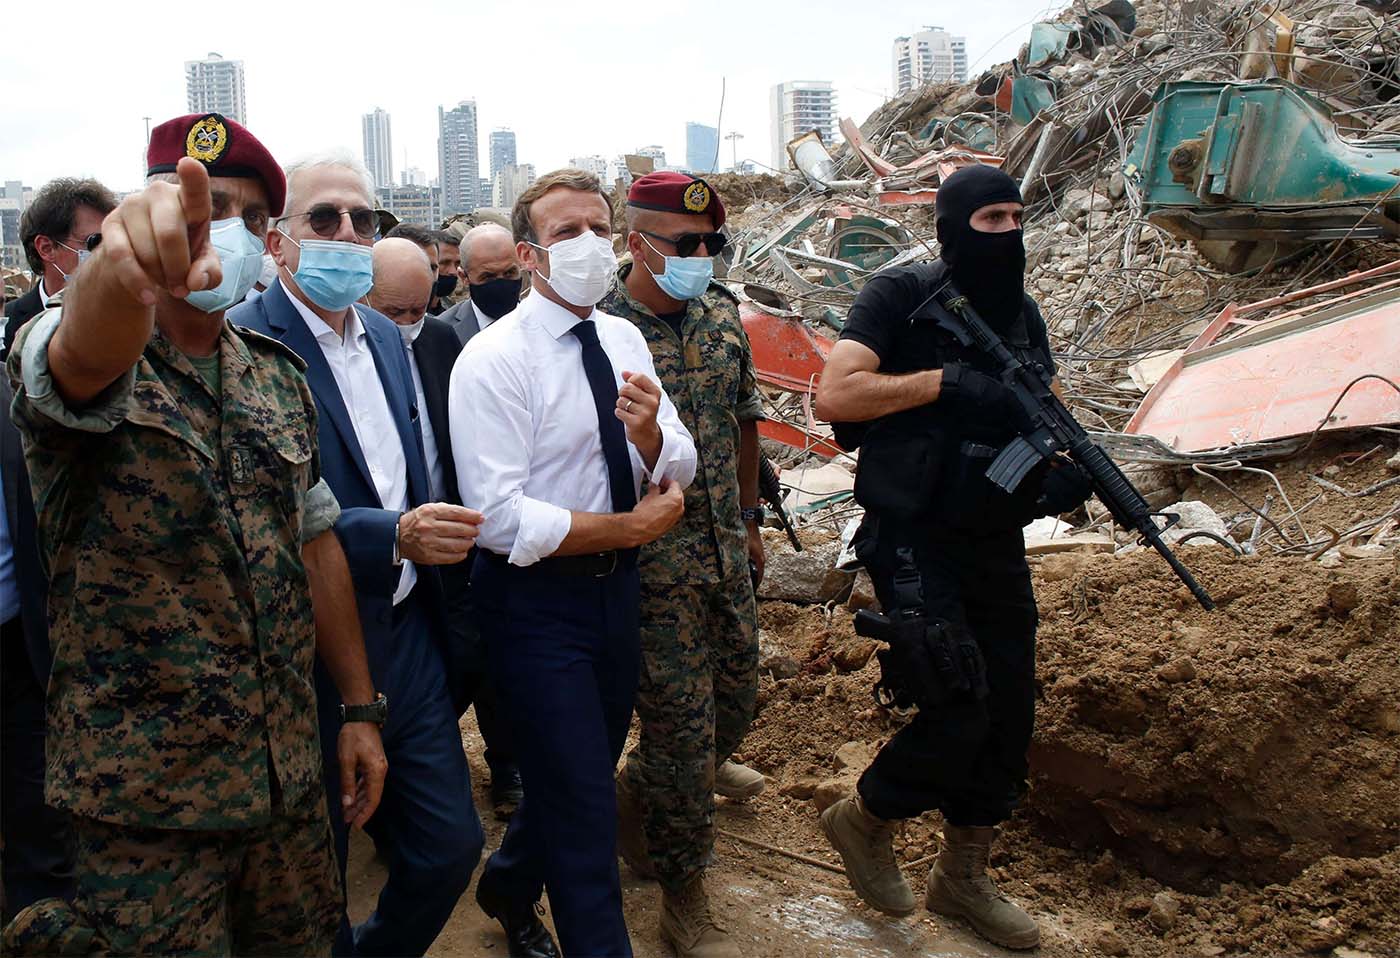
x=944 y=544
x=699 y=677
x=187 y=533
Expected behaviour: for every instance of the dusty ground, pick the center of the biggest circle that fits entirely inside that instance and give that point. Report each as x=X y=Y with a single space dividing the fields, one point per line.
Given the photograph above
x=1203 y=784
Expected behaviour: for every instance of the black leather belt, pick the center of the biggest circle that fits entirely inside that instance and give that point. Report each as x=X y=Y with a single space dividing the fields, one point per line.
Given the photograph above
x=595 y=565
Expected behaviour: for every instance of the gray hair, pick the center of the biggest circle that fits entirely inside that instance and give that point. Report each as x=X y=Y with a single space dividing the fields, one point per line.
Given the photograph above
x=341 y=158
x=483 y=229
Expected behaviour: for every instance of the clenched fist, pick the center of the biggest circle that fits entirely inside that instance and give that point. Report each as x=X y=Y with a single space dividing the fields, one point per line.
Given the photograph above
x=438 y=533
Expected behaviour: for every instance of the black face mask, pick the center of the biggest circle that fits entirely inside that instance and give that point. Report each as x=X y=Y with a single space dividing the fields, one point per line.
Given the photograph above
x=444 y=286
x=495 y=297
x=989 y=268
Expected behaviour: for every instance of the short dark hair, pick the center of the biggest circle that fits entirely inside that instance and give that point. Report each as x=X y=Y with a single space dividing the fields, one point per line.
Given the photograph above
x=53 y=210
x=569 y=178
x=420 y=235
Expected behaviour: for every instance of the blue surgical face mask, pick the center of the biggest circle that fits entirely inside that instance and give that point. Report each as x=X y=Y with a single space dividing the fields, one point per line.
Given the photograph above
x=685 y=277
x=333 y=274
x=240 y=255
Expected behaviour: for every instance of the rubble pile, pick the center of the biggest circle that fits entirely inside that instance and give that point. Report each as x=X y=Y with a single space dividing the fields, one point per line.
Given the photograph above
x=1124 y=286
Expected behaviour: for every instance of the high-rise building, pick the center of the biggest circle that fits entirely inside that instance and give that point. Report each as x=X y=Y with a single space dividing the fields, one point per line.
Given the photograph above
x=379 y=147
x=215 y=85
x=657 y=154
x=701 y=148
x=502 y=150
x=797 y=107
x=458 y=164
x=932 y=55
x=509 y=182
x=595 y=164
x=419 y=205
x=413 y=176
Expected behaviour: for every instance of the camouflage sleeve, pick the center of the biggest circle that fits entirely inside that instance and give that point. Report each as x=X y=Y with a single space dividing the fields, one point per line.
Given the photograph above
x=102 y=415
x=749 y=406
x=320 y=512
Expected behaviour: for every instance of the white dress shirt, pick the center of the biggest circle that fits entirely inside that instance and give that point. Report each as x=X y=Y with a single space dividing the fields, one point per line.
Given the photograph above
x=436 y=490
x=352 y=364
x=525 y=427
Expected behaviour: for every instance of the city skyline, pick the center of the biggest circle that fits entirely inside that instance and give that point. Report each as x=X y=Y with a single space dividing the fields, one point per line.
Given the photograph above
x=297 y=105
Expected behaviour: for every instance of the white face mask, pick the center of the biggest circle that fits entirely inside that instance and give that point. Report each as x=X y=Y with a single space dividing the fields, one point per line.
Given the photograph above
x=581 y=268
x=411 y=331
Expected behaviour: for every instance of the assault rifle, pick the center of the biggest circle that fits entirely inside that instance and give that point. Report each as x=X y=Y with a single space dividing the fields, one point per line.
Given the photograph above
x=1055 y=430
x=772 y=493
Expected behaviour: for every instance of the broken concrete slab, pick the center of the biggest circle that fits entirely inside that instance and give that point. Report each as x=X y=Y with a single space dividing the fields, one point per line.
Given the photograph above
x=808 y=577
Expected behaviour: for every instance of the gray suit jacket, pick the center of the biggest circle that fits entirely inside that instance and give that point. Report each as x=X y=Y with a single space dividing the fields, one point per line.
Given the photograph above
x=462 y=319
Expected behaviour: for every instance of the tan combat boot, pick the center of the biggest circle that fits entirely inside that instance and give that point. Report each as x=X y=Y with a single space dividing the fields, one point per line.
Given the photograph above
x=738 y=782
x=866 y=846
x=688 y=926
x=958 y=885
x=631 y=839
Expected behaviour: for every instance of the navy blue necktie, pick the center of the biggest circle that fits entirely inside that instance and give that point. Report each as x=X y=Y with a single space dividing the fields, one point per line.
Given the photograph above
x=601 y=381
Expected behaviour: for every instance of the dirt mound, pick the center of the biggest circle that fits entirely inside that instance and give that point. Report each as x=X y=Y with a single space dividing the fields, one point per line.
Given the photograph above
x=1243 y=744
x=1203 y=784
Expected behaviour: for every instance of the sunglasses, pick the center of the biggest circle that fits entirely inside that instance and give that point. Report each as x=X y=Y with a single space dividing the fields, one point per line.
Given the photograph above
x=324 y=220
x=687 y=243
x=90 y=243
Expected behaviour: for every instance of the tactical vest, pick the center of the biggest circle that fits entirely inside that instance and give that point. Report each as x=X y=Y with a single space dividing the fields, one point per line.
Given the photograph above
x=928 y=464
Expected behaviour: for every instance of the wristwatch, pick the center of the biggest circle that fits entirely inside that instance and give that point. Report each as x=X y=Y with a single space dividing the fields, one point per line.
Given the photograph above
x=376 y=712
x=752 y=514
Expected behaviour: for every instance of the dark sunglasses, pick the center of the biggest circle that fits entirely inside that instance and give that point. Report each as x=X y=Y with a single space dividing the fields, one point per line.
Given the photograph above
x=324 y=220
x=93 y=241
x=687 y=243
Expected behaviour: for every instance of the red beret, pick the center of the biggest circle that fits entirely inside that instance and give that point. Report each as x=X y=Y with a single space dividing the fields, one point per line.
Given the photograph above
x=224 y=146
x=673 y=192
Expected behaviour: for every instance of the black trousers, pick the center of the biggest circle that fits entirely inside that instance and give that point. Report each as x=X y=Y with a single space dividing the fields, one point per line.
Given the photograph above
x=37 y=861
x=967 y=759
x=564 y=653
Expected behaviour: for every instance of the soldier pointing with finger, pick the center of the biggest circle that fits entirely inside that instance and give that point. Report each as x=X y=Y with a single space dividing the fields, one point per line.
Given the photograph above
x=195 y=579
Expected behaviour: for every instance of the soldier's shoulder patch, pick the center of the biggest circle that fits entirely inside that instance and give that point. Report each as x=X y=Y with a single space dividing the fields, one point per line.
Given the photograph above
x=207 y=139
x=262 y=343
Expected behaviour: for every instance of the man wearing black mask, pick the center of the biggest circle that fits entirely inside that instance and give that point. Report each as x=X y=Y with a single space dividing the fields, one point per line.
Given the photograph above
x=492 y=271
x=929 y=415
x=449 y=263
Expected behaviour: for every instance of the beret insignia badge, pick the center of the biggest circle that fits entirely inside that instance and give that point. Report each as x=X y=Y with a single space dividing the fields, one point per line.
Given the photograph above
x=696 y=197
x=207 y=139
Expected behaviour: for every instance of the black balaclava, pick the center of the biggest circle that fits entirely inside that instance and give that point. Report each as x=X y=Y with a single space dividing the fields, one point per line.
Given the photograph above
x=989 y=268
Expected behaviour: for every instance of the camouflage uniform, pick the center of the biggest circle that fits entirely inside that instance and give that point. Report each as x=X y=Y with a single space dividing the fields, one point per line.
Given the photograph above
x=699 y=675
x=181 y=711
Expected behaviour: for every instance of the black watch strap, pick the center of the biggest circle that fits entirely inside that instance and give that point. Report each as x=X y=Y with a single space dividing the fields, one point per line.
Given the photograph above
x=752 y=514
x=376 y=711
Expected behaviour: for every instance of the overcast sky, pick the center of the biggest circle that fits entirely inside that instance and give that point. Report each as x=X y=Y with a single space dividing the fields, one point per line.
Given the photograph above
x=569 y=78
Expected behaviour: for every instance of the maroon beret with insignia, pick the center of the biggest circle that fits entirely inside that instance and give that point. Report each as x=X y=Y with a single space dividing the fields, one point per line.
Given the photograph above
x=224 y=146
x=673 y=192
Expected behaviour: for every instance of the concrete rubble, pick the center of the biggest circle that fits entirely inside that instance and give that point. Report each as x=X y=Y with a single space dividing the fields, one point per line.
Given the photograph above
x=1124 y=296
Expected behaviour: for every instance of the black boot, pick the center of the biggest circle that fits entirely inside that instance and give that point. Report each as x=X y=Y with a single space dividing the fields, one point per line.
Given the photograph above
x=506 y=790
x=526 y=935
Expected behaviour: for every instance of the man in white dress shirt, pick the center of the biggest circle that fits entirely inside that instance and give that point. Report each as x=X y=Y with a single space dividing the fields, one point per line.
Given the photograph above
x=557 y=419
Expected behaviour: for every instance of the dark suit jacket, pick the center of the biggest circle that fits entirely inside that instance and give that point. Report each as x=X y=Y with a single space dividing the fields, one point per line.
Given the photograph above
x=29 y=572
x=462 y=319
x=365 y=528
x=20 y=312
x=435 y=353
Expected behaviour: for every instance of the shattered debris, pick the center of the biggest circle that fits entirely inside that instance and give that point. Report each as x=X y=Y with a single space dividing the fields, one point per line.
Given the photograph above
x=1141 y=268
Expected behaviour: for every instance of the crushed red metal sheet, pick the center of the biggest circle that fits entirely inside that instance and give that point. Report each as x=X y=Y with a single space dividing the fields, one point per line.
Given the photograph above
x=1254 y=380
